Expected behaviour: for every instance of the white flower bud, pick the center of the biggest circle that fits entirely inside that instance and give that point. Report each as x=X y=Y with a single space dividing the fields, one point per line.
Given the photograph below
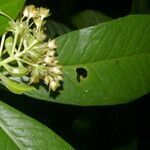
x=56 y=70
x=34 y=57
x=46 y=80
x=55 y=62
x=48 y=60
x=31 y=11
x=40 y=36
x=35 y=76
x=26 y=12
x=43 y=12
x=53 y=85
x=60 y=78
x=51 y=44
x=38 y=22
x=51 y=53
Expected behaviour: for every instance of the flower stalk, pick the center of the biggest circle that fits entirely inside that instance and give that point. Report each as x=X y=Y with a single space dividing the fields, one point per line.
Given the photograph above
x=24 y=50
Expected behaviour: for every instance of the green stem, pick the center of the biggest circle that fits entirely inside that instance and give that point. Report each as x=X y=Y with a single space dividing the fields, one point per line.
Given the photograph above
x=24 y=61
x=2 y=77
x=14 y=44
x=20 y=45
x=2 y=13
x=11 y=58
x=25 y=50
x=2 y=44
x=7 y=60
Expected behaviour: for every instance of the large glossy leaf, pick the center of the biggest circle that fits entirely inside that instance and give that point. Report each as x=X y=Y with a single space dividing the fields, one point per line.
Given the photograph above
x=88 y=18
x=11 y=8
x=18 y=131
x=116 y=57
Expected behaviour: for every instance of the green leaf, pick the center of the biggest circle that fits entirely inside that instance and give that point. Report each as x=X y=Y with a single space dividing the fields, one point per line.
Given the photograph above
x=89 y=18
x=11 y=8
x=55 y=29
x=19 y=131
x=15 y=87
x=116 y=57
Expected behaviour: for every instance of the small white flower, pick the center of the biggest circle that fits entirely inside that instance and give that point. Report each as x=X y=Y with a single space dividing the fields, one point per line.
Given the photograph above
x=51 y=53
x=49 y=60
x=51 y=44
x=38 y=22
x=43 y=12
x=26 y=12
x=46 y=80
x=30 y=11
x=60 y=78
x=35 y=76
x=40 y=36
x=53 y=85
x=55 y=62
x=29 y=47
x=56 y=70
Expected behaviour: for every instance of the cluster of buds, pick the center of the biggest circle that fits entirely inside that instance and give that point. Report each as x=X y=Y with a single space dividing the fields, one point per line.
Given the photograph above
x=26 y=52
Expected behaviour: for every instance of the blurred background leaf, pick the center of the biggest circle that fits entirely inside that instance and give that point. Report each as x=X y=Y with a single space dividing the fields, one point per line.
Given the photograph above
x=88 y=18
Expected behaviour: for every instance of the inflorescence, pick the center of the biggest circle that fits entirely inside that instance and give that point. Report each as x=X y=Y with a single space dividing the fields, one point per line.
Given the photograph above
x=24 y=51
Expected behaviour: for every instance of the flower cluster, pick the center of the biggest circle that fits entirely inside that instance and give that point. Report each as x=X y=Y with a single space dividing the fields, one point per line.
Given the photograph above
x=24 y=50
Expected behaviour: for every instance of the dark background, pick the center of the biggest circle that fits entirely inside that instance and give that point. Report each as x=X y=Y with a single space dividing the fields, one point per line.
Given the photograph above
x=89 y=128
x=62 y=10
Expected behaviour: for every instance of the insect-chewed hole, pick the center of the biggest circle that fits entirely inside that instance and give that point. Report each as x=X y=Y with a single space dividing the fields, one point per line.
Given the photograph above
x=81 y=74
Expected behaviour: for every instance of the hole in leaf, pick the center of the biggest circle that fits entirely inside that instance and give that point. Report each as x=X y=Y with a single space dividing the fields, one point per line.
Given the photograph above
x=81 y=74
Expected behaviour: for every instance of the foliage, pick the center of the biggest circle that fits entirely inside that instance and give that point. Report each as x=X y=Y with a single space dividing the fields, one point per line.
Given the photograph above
x=104 y=62
x=106 y=53
x=94 y=17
